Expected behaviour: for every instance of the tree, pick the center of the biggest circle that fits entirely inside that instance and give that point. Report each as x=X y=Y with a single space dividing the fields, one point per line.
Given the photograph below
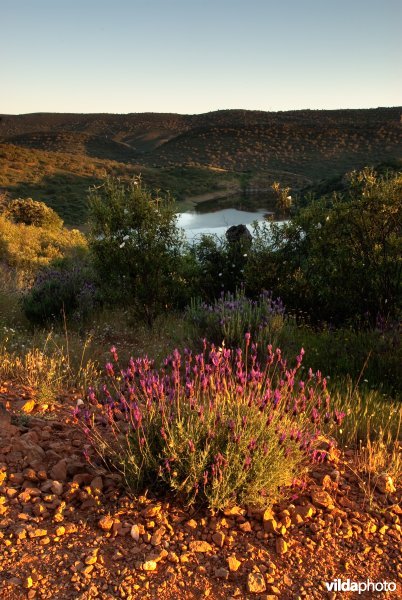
x=340 y=257
x=136 y=246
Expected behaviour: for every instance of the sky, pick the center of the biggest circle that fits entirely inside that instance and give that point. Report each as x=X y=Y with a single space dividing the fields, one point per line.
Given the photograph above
x=196 y=56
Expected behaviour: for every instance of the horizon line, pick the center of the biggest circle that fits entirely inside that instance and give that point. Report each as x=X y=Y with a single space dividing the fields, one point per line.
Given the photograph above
x=200 y=113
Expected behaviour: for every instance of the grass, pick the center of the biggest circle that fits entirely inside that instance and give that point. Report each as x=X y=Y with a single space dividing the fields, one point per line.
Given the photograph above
x=49 y=363
x=371 y=357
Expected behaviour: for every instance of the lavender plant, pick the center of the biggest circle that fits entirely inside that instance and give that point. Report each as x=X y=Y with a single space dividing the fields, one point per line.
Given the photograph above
x=217 y=426
x=232 y=315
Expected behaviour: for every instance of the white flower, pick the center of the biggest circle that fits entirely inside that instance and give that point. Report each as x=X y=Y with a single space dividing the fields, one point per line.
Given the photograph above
x=288 y=197
x=220 y=275
x=122 y=245
x=244 y=255
x=126 y=237
x=318 y=226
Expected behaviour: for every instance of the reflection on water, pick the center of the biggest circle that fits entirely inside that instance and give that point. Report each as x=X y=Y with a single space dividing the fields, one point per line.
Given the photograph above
x=216 y=216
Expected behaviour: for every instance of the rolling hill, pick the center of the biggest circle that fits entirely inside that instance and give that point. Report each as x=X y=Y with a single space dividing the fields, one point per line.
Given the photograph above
x=55 y=157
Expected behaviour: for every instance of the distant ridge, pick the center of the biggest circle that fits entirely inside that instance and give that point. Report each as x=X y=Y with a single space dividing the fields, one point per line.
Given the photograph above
x=56 y=156
x=307 y=142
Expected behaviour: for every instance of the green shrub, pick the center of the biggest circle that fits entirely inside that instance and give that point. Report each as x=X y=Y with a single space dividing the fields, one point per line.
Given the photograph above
x=137 y=247
x=61 y=290
x=339 y=259
x=219 y=264
x=32 y=212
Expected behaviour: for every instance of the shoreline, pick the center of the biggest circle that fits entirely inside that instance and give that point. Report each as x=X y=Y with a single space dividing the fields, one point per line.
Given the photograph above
x=216 y=195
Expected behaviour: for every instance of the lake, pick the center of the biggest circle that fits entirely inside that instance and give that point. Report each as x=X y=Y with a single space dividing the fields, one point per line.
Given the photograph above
x=216 y=216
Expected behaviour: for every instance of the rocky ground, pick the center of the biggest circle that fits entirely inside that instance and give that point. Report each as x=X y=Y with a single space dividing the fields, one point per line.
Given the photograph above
x=69 y=530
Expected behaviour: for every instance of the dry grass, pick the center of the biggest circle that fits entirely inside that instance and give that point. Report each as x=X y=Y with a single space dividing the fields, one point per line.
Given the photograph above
x=46 y=366
x=372 y=429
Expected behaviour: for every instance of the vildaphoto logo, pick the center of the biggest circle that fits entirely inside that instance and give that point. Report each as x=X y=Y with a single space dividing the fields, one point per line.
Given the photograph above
x=338 y=585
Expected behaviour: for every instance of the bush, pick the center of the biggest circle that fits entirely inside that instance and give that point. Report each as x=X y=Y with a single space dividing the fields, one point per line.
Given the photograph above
x=31 y=212
x=66 y=289
x=339 y=259
x=24 y=249
x=136 y=247
x=228 y=319
x=219 y=265
x=216 y=427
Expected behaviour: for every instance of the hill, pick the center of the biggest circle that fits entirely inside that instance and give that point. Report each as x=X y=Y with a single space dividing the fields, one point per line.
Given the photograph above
x=57 y=156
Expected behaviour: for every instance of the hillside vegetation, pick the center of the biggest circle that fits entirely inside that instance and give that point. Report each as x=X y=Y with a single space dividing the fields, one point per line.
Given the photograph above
x=56 y=157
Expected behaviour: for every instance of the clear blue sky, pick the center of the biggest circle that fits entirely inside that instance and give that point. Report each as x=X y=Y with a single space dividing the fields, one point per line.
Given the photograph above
x=193 y=56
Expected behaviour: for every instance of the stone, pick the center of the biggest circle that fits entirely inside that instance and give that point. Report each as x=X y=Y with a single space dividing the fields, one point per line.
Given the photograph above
x=270 y=525
x=245 y=527
x=149 y=565
x=135 y=533
x=28 y=406
x=276 y=591
x=234 y=511
x=31 y=450
x=156 y=538
x=30 y=474
x=96 y=485
x=322 y=499
x=59 y=471
x=106 y=523
x=256 y=583
x=301 y=513
x=152 y=511
x=82 y=478
x=57 y=488
x=200 y=546
x=233 y=563
x=219 y=538
x=172 y=557
x=221 y=573
x=268 y=514
x=239 y=234
x=191 y=524
x=281 y=546
x=92 y=558
x=35 y=533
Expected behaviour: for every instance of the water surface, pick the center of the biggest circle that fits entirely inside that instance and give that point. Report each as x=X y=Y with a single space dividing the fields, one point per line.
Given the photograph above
x=216 y=216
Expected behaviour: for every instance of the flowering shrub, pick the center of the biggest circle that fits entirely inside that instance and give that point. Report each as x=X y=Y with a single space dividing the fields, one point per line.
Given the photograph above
x=217 y=426
x=67 y=288
x=232 y=315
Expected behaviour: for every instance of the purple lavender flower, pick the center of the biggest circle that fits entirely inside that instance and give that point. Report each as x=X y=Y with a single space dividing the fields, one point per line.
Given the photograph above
x=109 y=369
